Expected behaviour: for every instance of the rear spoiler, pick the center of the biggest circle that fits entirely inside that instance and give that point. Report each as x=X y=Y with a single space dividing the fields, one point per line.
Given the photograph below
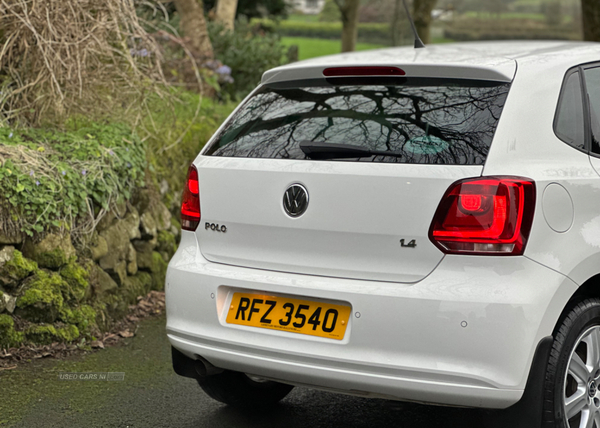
x=502 y=72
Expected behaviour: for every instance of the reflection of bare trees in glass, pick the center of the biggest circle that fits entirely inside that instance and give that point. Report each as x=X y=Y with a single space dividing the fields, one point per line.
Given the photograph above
x=427 y=124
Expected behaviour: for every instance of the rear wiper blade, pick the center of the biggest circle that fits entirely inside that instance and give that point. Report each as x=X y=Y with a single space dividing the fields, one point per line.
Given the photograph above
x=320 y=151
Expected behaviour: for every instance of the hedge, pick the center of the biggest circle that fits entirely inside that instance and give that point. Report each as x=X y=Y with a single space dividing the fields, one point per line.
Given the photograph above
x=367 y=32
x=514 y=29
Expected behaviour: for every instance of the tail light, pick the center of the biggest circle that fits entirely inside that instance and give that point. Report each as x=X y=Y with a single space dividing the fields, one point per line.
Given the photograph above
x=483 y=216
x=190 y=203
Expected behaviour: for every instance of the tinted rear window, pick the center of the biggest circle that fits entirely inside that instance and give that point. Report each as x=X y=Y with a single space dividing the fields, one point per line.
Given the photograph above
x=420 y=121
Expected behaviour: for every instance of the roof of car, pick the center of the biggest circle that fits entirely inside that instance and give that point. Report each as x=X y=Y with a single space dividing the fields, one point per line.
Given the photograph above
x=495 y=61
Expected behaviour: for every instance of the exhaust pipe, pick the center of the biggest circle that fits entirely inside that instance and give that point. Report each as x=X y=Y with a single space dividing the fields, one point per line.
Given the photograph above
x=204 y=368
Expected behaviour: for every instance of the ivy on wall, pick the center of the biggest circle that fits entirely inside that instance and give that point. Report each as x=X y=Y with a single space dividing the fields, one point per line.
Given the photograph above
x=51 y=179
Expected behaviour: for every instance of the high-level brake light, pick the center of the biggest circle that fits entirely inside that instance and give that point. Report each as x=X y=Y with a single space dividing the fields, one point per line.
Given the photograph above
x=487 y=215
x=190 y=202
x=363 y=71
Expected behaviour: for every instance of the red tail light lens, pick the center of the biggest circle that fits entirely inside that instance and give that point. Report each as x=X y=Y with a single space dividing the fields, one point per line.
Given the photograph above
x=190 y=203
x=488 y=215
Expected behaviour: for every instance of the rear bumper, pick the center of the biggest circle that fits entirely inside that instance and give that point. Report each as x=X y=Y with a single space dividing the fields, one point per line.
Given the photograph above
x=465 y=335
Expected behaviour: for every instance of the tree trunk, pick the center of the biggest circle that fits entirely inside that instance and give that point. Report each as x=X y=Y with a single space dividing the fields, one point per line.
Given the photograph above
x=395 y=24
x=422 y=17
x=349 y=13
x=226 y=13
x=590 y=11
x=194 y=28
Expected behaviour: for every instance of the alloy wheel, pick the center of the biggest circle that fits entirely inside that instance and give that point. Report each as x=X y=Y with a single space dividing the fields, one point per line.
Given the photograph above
x=581 y=395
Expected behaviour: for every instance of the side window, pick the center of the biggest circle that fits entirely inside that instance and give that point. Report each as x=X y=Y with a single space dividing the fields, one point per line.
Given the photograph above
x=592 y=84
x=568 y=124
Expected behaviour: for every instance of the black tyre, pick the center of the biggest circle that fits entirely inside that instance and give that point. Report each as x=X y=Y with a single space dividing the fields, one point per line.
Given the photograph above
x=571 y=394
x=239 y=390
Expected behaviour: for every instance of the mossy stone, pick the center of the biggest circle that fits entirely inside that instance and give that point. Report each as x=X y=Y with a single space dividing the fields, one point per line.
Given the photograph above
x=42 y=298
x=119 y=272
x=131 y=223
x=148 y=226
x=78 y=280
x=136 y=285
x=142 y=199
x=98 y=247
x=114 y=306
x=101 y=282
x=166 y=242
x=9 y=338
x=176 y=229
x=156 y=265
x=145 y=246
x=159 y=271
x=47 y=334
x=7 y=302
x=15 y=267
x=132 y=267
x=117 y=239
x=11 y=236
x=52 y=252
x=84 y=317
x=144 y=260
x=161 y=215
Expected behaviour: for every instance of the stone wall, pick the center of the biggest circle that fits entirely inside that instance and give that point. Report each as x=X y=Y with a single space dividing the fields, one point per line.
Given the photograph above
x=52 y=292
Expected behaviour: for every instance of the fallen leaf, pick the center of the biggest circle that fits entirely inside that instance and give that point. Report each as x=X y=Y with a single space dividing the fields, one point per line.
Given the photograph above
x=125 y=333
x=97 y=344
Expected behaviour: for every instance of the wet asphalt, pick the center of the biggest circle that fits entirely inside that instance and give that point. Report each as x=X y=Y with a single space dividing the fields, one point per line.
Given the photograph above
x=151 y=395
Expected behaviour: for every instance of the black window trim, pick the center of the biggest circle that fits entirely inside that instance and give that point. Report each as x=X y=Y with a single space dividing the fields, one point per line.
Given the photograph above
x=568 y=74
x=586 y=108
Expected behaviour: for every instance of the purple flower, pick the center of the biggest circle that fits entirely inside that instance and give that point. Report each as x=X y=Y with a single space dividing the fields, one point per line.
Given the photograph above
x=213 y=65
x=224 y=69
x=83 y=172
x=31 y=173
x=142 y=52
x=64 y=172
x=110 y=152
x=10 y=135
x=37 y=183
x=128 y=165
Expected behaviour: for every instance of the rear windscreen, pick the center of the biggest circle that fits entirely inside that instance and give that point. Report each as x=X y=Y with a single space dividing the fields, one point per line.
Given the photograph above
x=420 y=121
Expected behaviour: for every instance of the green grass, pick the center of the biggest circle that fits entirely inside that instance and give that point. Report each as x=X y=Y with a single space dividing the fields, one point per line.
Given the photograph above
x=311 y=48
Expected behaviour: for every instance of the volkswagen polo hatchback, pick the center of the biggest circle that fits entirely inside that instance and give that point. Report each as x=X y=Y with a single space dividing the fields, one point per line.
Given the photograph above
x=406 y=224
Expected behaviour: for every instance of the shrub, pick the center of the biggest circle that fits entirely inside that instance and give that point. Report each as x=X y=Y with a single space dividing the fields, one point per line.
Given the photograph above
x=247 y=52
x=73 y=57
x=330 y=12
x=505 y=29
x=174 y=134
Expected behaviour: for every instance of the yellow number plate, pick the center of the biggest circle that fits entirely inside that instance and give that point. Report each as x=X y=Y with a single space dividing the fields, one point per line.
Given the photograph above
x=294 y=315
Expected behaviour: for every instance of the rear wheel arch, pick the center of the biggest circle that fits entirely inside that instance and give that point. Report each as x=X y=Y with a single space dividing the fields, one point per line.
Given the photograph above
x=589 y=289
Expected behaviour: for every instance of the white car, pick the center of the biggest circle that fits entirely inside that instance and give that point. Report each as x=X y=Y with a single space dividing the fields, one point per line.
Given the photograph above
x=409 y=224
